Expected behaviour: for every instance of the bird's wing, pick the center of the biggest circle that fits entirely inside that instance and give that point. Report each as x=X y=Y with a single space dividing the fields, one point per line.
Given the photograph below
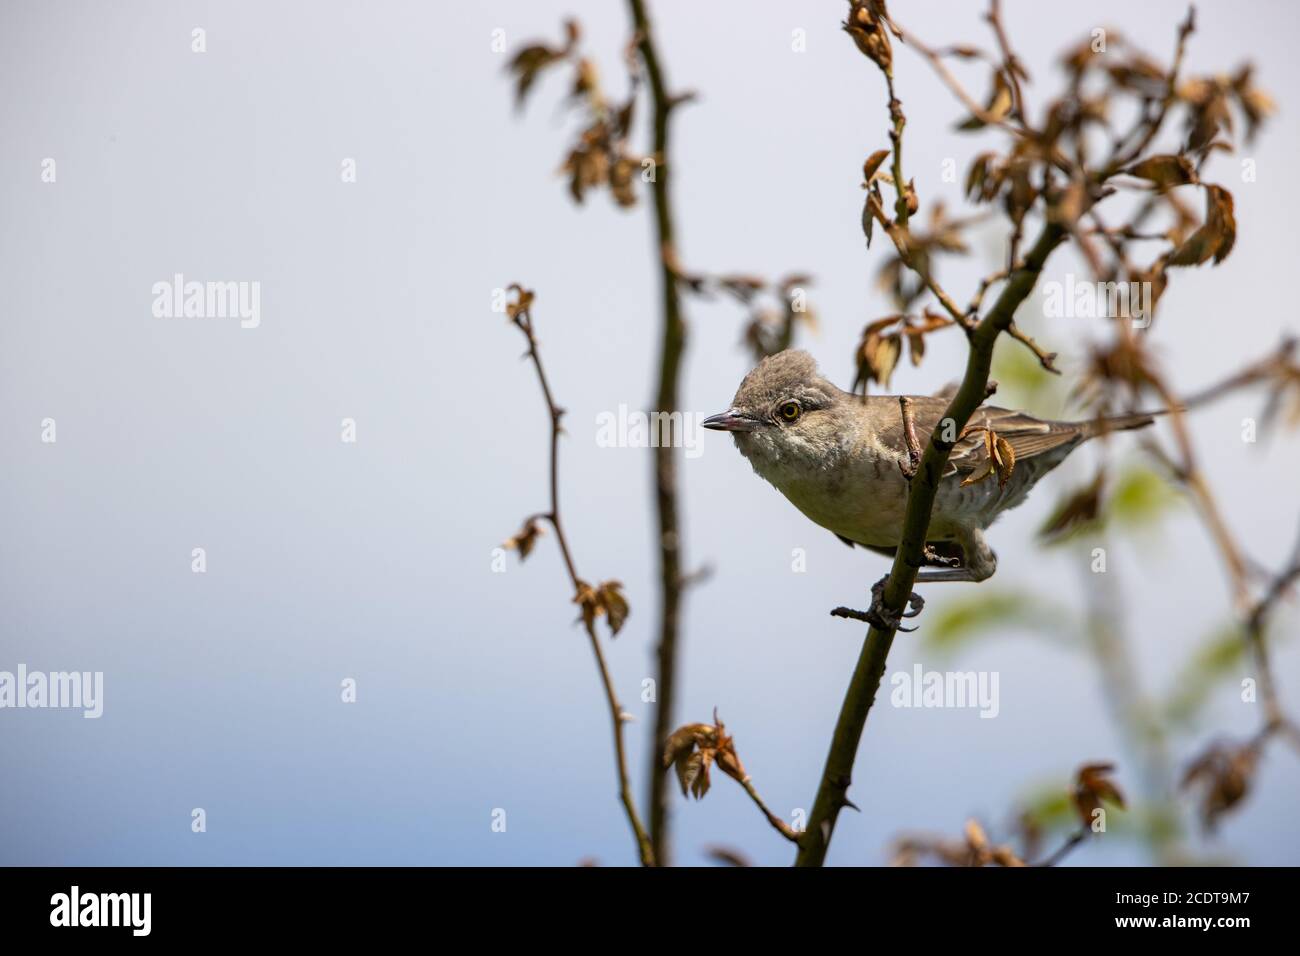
x=1027 y=435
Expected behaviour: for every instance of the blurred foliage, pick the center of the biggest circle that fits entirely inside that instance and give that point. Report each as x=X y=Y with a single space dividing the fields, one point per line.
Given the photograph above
x=1049 y=810
x=1138 y=499
x=1216 y=658
x=960 y=620
x=1142 y=497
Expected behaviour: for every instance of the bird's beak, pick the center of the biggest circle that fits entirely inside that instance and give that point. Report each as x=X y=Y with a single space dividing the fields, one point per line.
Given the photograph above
x=731 y=421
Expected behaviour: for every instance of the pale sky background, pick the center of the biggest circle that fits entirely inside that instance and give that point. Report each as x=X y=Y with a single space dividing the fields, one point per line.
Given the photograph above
x=373 y=561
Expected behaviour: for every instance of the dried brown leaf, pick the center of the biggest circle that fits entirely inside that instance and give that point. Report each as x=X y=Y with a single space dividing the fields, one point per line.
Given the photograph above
x=524 y=539
x=872 y=164
x=1164 y=170
x=865 y=24
x=1081 y=507
x=1216 y=236
x=614 y=604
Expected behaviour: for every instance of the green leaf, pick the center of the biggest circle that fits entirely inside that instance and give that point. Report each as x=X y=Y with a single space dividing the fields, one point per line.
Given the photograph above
x=1049 y=806
x=1140 y=498
x=960 y=620
x=1217 y=657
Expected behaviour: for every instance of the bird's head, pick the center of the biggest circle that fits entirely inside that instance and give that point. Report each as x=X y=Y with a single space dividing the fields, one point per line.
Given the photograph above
x=784 y=415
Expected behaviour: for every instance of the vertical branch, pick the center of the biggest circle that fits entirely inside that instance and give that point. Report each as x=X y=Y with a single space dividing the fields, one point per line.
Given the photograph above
x=1251 y=613
x=522 y=318
x=1192 y=476
x=897 y=121
x=1010 y=62
x=1275 y=719
x=672 y=346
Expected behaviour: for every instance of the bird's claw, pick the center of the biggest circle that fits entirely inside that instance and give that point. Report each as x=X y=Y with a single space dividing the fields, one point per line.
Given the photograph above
x=915 y=604
x=878 y=615
x=933 y=557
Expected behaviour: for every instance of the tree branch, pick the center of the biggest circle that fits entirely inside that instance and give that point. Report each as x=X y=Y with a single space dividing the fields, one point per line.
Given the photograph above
x=672 y=346
x=865 y=682
x=1275 y=718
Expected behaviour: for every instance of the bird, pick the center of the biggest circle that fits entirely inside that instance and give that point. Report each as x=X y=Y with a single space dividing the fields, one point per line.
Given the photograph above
x=840 y=458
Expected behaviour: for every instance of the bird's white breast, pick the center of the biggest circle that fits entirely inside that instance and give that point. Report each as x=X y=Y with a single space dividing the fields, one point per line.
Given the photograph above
x=857 y=492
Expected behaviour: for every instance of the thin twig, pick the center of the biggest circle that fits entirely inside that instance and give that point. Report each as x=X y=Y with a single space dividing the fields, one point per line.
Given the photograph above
x=1275 y=718
x=897 y=121
x=959 y=91
x=965 y=318
x=984 y=116
x=909 y=467
x=1010 y=62
x=1191 y=475
x=1046 y=359
x=1150 y=126
x=1064 y=850
x=899 y=235
x=977 y=300
x=780 y=825
x=523 y=320
x=1253 y=614
x=1279 y=361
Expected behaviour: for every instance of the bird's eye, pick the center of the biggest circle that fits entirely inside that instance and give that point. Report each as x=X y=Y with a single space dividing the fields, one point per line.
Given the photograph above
x=790 y=411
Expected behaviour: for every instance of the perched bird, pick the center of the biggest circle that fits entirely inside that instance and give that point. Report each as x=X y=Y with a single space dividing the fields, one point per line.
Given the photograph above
x=837 y=457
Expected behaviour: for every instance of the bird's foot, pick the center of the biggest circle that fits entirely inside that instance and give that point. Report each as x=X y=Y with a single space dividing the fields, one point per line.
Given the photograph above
x=878 y=615
x=934 y=558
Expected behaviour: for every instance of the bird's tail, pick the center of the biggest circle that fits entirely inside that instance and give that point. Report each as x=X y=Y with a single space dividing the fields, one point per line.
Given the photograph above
x=1119 y=423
